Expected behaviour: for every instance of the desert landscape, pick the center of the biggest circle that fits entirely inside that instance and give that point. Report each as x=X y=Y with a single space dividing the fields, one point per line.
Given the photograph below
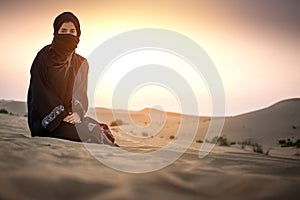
x=255 y=157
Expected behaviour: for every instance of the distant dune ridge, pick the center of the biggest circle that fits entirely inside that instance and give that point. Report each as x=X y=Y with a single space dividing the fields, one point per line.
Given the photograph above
x=281 y=120
x=15 y=107
x=48 y=168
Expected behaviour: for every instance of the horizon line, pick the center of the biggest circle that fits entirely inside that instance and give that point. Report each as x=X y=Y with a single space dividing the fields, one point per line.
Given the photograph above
x=189 y=114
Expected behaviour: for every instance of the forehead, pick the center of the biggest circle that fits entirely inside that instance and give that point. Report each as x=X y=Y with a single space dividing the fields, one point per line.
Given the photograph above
x=68 y=25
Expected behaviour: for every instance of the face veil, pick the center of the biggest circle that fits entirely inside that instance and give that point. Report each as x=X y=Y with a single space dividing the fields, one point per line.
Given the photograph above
x=64 y=44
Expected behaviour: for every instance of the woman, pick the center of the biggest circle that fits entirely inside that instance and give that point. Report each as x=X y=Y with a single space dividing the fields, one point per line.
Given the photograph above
x=57 y=95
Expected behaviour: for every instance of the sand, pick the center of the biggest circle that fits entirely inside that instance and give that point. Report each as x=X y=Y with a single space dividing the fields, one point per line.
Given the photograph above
x=48 y=168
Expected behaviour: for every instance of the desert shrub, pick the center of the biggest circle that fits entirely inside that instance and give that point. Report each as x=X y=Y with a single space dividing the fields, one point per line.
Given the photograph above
x=232 y=143
x=289 y=143
x=297 y=143
x=199 y=141
x=117 y=122
x=145 y=134
x=282 y=141
x=258 y=148
x=249 y=142
x=3 y=111
x=222 y=141
x=172 y=137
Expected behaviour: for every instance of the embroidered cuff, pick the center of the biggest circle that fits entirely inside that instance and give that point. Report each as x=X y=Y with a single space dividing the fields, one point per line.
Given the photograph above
x=54 y=113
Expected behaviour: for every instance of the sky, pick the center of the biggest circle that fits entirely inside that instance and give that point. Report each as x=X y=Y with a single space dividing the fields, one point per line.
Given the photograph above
x=254 y=44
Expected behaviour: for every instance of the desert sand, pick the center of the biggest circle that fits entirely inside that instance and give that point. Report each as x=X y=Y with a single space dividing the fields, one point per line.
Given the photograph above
x=48 y=168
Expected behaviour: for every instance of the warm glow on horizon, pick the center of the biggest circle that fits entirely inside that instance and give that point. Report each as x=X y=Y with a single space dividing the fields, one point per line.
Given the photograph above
x=152 y=92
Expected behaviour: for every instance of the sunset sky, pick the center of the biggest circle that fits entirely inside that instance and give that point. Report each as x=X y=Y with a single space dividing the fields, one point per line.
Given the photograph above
x=255 y=45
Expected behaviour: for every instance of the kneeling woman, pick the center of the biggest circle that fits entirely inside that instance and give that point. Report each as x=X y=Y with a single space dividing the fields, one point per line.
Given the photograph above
x=57 y=95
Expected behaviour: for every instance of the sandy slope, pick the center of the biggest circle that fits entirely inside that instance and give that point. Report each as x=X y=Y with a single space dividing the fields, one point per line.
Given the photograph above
x=47 y=168
x=266 y=126
x=15 y=107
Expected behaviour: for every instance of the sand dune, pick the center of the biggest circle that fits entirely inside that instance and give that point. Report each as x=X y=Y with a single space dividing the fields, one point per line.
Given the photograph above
x=14 y=107
x=281 y=120
x=48 y=168
x=265 y=127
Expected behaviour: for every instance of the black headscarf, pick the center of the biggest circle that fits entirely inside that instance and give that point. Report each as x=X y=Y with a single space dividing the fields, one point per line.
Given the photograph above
x=64 y=45
x=66 y=17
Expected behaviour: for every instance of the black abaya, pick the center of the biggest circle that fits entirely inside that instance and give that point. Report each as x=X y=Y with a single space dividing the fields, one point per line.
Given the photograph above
x=56 y=88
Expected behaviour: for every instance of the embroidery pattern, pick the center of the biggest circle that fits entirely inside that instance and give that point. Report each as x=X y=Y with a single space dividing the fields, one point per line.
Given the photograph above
x=54 y=113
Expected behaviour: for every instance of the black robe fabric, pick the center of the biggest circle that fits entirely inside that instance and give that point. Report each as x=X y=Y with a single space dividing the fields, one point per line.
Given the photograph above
x=55 y=88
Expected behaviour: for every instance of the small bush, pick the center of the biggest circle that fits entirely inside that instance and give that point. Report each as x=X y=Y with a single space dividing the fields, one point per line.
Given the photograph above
x=199 y=141
x=248 y=142
x=145 y=134
x=117 y=122
x=172 y=137
x=297 y=143
x=3 y=111
x=222 y=141
x=282 y=141
x=258 y=148
x=289 y=143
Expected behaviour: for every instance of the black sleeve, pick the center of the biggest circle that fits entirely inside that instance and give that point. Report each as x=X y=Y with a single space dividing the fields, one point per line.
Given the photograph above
x=45 y=101
x=80 y=99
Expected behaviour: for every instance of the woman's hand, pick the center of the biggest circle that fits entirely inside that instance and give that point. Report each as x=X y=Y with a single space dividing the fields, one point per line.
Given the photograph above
x=72 y=118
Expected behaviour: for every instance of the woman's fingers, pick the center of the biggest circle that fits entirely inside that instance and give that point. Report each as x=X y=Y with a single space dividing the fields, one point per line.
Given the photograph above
x=72 y=118
x=68 y=119
x=76 y=117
